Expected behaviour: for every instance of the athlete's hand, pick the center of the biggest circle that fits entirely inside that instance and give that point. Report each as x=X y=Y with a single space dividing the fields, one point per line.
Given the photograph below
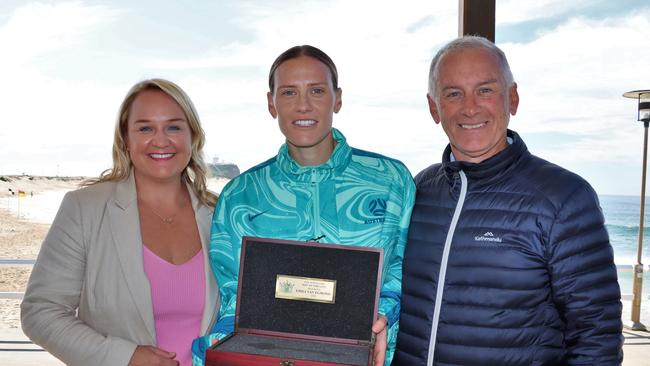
x=381 y=340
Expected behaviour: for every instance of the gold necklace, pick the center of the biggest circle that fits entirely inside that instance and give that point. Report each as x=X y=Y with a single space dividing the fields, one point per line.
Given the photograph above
x=167 y=220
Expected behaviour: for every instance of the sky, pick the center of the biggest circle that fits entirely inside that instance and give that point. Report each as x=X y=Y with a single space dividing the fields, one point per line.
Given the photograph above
x=65 y=67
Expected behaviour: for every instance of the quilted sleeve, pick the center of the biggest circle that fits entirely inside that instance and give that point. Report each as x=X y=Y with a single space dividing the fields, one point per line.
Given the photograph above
x=584 y=281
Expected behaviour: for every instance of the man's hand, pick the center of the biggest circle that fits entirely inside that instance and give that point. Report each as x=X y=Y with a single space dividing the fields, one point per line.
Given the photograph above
x=379 y=353
x=152 y=356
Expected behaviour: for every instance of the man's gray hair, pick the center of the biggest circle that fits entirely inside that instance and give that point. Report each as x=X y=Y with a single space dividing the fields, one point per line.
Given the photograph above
x=467 y=42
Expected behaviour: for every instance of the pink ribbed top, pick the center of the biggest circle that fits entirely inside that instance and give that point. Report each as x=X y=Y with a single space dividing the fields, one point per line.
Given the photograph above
x=178 y=296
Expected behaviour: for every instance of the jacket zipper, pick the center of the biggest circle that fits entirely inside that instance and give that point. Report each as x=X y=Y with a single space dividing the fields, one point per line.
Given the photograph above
x=443 y=268
x=316 y=200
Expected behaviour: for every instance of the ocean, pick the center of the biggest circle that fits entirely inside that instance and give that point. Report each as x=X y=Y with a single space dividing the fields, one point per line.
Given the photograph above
x=621 y=219
x=622 y=223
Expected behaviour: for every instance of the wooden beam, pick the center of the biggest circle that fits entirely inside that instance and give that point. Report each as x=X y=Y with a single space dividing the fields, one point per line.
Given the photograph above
x=476 y=17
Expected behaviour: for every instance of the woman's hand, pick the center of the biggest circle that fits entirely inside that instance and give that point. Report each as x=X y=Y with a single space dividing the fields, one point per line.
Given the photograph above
x=379 y=353
x=152 y=356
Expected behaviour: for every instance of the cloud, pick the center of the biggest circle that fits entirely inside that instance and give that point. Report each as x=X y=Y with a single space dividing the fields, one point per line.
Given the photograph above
x=38 y=28
x=515 y=11
x=571 y=80
x=45 y=113
x=342 y=28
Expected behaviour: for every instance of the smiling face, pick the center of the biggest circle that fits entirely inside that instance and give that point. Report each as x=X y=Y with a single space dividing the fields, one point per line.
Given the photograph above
x=304 y=101
x=159 y=139
x=473 y=103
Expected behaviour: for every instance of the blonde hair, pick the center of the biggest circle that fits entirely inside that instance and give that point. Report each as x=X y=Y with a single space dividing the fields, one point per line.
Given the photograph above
x=195 y=174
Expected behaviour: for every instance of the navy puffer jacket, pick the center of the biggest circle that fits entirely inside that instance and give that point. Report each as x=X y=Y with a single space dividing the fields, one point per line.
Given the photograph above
x=528 y=271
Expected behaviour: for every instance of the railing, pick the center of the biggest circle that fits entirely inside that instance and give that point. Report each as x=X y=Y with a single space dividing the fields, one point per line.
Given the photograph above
x=15 y=262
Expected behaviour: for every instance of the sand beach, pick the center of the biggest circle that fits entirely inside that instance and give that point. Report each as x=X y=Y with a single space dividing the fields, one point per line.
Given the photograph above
x=21 y=238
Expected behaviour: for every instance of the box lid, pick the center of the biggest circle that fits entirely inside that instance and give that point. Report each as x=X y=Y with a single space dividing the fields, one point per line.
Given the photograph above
x=267 y=263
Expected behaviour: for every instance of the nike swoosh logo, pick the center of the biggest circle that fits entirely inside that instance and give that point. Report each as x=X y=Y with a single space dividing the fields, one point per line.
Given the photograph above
x=253 y=217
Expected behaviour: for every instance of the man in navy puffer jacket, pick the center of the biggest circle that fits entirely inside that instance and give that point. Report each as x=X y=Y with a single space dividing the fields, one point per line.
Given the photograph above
x=508 y=261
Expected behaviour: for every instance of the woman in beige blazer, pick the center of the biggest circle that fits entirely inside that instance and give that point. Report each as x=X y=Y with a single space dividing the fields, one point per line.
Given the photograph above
x=89 y=299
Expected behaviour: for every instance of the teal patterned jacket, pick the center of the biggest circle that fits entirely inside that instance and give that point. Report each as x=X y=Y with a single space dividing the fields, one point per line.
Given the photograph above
x=355 y=198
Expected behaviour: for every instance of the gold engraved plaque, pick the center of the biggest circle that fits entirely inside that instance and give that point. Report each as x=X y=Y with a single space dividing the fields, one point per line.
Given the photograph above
x=305 y=289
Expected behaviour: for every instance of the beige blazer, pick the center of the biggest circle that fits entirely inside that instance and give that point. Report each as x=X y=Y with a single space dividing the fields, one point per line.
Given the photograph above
x=88 y=300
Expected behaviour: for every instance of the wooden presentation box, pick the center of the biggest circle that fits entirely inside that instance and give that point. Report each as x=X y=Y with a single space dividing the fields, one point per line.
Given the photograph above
x=302 y=304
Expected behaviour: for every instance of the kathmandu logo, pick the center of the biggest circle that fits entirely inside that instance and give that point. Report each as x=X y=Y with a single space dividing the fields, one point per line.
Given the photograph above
x=488 y=236
x=377 y=208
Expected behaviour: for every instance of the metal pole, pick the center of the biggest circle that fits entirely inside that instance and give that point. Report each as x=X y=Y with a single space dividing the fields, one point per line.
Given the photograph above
x=637 y=283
